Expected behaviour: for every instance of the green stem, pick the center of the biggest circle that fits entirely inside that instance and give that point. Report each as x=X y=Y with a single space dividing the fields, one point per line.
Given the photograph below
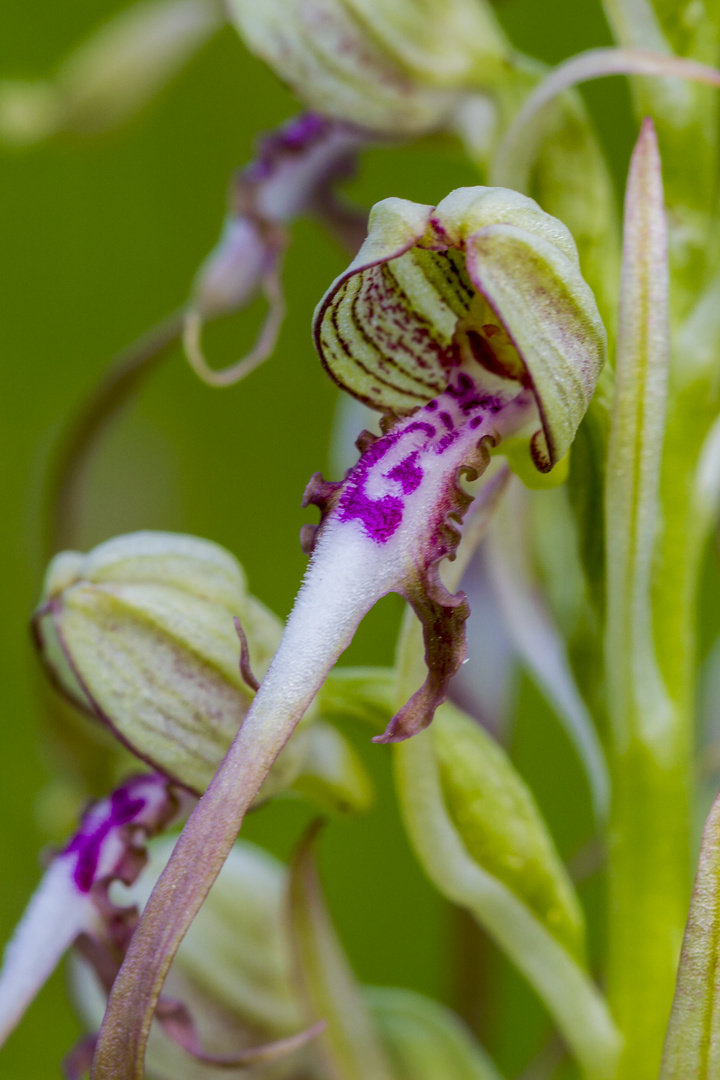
x=121 y=380
x=649 y=887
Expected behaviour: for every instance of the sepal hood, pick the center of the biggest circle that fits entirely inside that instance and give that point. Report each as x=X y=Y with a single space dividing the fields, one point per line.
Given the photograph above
x=486 y=276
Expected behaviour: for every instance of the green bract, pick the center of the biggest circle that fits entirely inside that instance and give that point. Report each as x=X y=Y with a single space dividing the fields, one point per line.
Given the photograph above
x=486 y=276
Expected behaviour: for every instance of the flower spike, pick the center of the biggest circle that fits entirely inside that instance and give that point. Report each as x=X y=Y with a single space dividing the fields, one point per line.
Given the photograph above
x=469 y=324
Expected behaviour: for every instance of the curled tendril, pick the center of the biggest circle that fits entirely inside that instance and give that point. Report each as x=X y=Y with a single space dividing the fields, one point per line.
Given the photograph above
x=193 y=322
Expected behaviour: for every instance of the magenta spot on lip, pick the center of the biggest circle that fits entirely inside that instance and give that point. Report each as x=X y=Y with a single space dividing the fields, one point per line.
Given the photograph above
x=380 y=517
x=420 y=425
x=88 y=845
x=408 y=473
x=447 y=440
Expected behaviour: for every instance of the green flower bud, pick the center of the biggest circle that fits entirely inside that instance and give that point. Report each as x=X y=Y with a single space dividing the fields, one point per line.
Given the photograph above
x=394 y=67
x=501 y=826
x=139 y=634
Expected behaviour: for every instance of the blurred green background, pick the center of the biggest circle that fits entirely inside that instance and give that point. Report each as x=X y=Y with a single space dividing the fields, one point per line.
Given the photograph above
x=100 y=239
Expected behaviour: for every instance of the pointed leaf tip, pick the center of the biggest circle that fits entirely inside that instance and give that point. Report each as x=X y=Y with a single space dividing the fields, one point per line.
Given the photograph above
x=692 y=1043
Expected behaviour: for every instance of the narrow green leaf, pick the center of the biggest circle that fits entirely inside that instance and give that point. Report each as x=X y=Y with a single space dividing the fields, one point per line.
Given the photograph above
x=637 y=433
x=350 y=1045
x=692 y=1045
x=649 y=837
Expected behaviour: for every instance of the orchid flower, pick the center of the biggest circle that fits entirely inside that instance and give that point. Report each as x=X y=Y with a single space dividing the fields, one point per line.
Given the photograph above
x=293 y=174
x=73 y=901
x=76 y=904
x=470 y=327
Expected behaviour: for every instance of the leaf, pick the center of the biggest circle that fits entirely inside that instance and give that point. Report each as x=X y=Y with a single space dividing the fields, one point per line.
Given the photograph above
x=692 y=1044
x=637 y=433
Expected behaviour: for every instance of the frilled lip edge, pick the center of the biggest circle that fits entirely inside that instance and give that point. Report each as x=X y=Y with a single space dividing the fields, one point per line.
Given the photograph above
x=52 y=608
x=442 y=614
x=543 y=462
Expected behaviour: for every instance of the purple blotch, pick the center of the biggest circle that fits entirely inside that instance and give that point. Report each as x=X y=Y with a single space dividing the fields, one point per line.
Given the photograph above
x=380 y=517
x=408 y=473
x=427 y=429
x=447 y=420
x=447 y=440
x=88 y=845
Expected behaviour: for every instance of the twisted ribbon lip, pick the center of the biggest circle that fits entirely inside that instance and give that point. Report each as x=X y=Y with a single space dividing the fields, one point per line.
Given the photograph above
x=262 y=348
